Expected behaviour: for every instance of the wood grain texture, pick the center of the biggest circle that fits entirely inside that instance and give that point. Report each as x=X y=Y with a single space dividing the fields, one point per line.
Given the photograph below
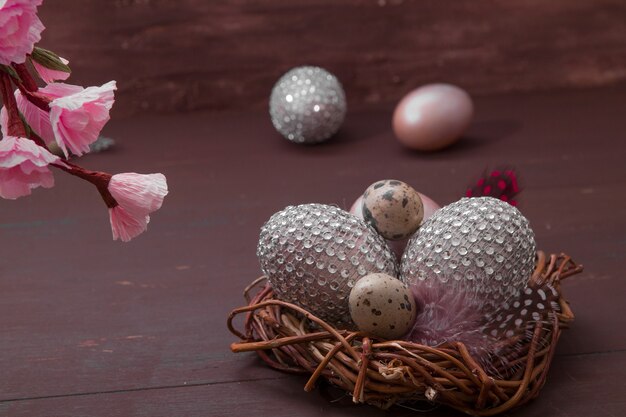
x=193 y=54
x=105 y=328
x=572 y=391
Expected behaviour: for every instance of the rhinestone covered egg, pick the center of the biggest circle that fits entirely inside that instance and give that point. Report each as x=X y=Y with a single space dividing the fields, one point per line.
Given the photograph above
x=313 y=254
x=483 y=247
x=307 y=105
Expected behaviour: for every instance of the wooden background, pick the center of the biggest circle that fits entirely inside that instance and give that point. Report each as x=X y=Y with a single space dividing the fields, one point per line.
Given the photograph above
x=95 y=328
x=90 y=327
x=197 y=54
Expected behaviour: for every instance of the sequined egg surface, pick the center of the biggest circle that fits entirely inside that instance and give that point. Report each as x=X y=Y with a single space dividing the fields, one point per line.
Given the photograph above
x=313 y=254
x=307 y=105
x=481 y=246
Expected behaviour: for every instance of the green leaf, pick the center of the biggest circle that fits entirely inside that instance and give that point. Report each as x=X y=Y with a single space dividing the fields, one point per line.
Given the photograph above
x=49 y=60
x=9 y=70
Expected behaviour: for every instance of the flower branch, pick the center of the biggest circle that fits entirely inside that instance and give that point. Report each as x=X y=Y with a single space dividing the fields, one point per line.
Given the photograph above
x=27 y=80
x=69 y=115
x=14 y=124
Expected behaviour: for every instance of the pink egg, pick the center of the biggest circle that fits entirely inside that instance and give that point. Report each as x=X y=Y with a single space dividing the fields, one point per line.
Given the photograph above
x=432 y=117
x=357 y=207
x=398 y=245
x=430 y=206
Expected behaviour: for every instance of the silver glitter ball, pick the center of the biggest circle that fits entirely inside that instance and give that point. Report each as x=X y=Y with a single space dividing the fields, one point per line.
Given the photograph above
x=313 y=254
x=480 y=247
x=307 y=105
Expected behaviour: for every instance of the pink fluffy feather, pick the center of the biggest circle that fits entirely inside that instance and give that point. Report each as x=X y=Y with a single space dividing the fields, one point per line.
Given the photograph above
x=446 y=316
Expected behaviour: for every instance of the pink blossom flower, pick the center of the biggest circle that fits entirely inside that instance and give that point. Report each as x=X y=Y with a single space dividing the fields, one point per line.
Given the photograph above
x=137 y=196
x=23 y=166
x=49 y=75
x=20 y=29
x=37 y=119
x=78 y=115
x=4 y=121
x=58 y=90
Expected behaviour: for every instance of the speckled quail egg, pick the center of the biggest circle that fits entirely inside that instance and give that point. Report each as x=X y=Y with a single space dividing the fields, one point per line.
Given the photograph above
x=393 y=208
x=382 y=306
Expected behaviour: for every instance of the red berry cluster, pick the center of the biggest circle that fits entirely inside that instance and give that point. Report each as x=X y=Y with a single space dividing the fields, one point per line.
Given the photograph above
x=500 y=184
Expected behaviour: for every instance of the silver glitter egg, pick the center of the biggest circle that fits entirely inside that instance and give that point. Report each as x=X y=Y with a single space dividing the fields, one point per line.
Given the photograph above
x=480 y=247
x=313 y=254
x=307 y=105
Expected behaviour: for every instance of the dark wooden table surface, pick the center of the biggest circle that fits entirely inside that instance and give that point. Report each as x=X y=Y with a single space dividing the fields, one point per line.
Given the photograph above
x=92 y=327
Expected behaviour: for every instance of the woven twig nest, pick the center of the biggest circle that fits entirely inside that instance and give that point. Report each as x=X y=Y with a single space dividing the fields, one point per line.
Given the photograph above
x=385 y=372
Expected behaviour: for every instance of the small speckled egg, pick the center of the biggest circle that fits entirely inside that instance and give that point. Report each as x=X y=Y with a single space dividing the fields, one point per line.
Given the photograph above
x=430 y=207
x=432 y=117
x=398 y=246
x=393 y=208
x=382 y=306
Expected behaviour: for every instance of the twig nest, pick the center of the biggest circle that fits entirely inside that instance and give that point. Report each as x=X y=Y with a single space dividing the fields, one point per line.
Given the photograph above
x=313 y=254
x=393 y=208
x=382 y=306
